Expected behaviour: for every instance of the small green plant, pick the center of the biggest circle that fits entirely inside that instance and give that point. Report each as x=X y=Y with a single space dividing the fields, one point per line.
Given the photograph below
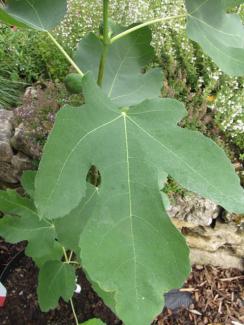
x=10 y=90
x=44 y=61
x=95 y=202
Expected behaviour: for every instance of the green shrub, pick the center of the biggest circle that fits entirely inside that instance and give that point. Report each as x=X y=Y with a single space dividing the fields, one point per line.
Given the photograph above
x=44 y=61
x=15 y=48
x=10 y=90
x=55 y=65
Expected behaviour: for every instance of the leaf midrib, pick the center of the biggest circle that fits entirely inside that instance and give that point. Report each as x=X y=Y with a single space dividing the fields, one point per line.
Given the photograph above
x=130 y=206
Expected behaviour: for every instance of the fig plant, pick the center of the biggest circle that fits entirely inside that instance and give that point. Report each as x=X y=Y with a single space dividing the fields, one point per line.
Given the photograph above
x=95 y=201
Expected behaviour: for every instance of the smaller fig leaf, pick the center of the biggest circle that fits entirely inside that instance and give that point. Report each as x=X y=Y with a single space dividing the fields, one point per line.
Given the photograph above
x=21 y=223
x=124 y=81
x=56 y=280
x=28 y=182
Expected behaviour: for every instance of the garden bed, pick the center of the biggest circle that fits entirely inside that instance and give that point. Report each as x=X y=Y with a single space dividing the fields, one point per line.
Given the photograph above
x=217 y=293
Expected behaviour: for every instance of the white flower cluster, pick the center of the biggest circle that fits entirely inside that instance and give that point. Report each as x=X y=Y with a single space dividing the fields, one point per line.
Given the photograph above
x=85 y=16
x=230 y=107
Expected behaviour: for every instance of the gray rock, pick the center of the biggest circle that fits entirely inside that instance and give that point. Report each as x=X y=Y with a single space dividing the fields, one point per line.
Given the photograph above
x=11 y=165
x=6 y=128
x=21 y=141
x=8 y=174
x=21 y=162
x=194 y=209
x=31 y=92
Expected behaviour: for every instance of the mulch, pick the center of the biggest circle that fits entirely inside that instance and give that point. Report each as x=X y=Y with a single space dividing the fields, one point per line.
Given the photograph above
x=218 y=297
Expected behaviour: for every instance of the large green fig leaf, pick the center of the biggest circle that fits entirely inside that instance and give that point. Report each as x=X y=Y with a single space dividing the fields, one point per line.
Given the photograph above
x=124 y=81
x=220 y=35
x=98 y=137
x=37 y=14
x=56 y=280
x=126 y=232
x=22 y=223
x=130 y=247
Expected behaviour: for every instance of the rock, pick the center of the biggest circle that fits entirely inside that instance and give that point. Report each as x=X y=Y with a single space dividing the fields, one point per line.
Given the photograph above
x=8 y=174
x=31 y=93
x=222 y=245
x=194 y=209
x=233 y=218
x=21 y=141
x=21 y=162
x=221 y=258
x=6 y=152
x=11 y=165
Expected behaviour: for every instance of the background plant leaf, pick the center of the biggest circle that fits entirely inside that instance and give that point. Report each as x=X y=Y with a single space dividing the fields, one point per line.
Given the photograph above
x=28 y=182
x=24 y=224
x=14 y=204
x=124 y=81
x=56 y=280
x=37 y=14
x=220 y=35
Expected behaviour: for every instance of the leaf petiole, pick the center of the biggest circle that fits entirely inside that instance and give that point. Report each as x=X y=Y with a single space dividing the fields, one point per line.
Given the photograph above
x=74 y=313
x=147 y=23
x=62 y=50
x=68 y=261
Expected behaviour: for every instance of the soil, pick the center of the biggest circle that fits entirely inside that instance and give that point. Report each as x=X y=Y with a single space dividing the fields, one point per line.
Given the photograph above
x=218 y=297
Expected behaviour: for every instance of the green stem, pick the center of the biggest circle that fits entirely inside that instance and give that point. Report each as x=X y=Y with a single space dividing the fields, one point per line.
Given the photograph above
x=74 y=313
x=106 y=43
x=147 y=23
x=67 y=260
x=74 y=65
x=65 y=255
x=70 y=256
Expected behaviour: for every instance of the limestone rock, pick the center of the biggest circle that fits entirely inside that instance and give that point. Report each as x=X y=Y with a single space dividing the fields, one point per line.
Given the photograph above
x=31 y=92
x=234 y=218
x=6 y=128
x=8 y=174
x=220 y=258
x=194 y=209
x=21 y=162
x=222 y=245
x=21 y=141
x=11 y=165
